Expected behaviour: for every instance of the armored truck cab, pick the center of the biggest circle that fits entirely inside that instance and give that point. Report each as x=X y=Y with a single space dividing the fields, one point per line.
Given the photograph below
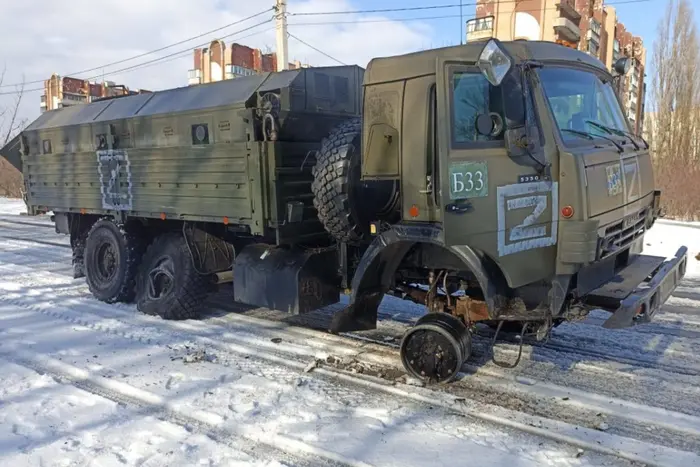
x=493 y=182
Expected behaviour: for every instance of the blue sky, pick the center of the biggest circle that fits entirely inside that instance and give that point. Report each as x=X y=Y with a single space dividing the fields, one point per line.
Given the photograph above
x=41 y=52
x=640 y=17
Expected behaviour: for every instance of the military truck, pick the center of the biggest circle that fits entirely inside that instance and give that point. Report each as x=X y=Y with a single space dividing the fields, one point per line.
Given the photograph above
x=493 y=182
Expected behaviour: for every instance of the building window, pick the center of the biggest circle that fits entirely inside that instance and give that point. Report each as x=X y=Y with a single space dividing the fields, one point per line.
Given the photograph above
x=592 y=48
x=595 y=26
x=236 y=71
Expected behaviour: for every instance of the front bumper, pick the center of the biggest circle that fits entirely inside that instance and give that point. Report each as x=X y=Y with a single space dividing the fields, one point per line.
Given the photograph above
x=637 y=292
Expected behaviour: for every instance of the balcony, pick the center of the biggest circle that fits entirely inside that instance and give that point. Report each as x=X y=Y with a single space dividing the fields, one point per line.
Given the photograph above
x=194 y=77
x=479 y=28
x=567 y=29
x=593 y=36
x=568 y=10
x=236 y=71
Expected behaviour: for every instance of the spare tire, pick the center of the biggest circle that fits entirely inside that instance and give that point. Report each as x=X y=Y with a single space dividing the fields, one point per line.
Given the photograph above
x=346 y=205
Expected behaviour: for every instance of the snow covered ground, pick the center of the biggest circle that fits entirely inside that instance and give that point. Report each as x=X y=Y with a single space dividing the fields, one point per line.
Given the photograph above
x=12 y=206
x=85 y=383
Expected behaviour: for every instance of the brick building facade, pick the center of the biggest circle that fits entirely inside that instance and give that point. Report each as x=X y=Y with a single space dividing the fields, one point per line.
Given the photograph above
x=63 y=91
x=218 y=62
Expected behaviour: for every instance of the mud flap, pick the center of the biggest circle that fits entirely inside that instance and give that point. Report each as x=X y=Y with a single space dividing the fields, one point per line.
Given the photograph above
x=360 y=315
x=291 y=280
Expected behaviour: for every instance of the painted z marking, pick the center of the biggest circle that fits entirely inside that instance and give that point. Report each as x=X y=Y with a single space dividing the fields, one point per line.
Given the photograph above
x=526 y=235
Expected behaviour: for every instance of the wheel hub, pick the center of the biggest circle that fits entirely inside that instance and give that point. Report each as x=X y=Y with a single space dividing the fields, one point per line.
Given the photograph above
x=435 y=349
x=106 y=262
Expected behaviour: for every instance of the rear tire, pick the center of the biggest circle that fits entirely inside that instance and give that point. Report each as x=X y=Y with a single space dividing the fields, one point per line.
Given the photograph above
x=168 y=284
x=112 y=256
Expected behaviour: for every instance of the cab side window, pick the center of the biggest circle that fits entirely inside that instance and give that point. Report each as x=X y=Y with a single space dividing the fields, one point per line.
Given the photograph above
x=472 y=95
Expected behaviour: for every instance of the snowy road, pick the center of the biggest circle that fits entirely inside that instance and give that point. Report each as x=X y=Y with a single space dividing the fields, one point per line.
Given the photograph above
x=84 y=383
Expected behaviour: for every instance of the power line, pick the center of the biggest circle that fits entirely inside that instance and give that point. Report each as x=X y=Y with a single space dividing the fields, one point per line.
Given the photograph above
x=317 y=50
x=362 y=21
x=422 y=8
x=149 y=52
x=381 y=10
x=159 y=59
x=429 y=18
x=181 y=54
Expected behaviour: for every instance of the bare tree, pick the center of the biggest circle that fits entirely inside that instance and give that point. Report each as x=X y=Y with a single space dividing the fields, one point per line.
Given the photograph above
x=10 y=125
x=675 y=102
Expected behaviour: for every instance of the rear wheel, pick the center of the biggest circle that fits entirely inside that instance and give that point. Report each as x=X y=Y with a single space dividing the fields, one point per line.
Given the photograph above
x=168 y=284
x=112 y=256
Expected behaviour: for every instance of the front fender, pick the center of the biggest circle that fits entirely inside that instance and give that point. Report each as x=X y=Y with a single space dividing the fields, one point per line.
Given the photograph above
x=375 y=273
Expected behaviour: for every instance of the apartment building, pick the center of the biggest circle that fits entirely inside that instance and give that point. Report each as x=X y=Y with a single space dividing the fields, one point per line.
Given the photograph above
x=218 y=62
x=587 y=25
x=63 y=91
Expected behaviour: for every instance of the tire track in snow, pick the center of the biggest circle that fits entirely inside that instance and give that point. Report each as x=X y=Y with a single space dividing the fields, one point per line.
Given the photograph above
x=269 y=445
x=614 y=355
x=576 y=349
x=609 y=444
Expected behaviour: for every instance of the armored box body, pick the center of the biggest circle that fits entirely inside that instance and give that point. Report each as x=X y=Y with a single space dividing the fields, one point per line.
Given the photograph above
x=238 y=151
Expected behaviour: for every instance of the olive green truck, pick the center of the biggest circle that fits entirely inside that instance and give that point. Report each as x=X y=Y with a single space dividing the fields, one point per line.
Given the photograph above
x=493 y=182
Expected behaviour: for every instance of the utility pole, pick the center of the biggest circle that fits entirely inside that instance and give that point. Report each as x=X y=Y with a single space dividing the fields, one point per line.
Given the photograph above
x=461 y=24
x=282 y=51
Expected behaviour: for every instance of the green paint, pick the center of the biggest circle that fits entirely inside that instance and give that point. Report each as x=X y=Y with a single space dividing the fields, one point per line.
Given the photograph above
x=468 y=180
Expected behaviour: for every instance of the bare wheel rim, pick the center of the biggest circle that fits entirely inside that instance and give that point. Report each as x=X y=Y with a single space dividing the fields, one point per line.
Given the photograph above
x=107 y=262
x=161 y=279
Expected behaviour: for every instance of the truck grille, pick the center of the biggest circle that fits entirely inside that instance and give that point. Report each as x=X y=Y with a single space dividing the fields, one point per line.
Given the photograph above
x=621 y=234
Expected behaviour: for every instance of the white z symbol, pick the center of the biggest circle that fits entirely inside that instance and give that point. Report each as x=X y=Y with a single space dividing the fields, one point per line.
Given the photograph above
x=525 y=230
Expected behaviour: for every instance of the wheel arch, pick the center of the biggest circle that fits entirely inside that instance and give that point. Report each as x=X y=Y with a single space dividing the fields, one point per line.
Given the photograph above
x=379 y=263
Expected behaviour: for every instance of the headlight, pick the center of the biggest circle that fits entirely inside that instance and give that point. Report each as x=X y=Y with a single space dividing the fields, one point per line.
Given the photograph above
x=494 y=62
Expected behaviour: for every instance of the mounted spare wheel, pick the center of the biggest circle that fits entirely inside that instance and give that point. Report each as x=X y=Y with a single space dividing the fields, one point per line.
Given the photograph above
x=168 y=284
x=112 y=256
x=344 y=203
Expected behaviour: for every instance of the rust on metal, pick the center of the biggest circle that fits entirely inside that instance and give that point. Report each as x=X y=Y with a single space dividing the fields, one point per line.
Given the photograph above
x=470 y=309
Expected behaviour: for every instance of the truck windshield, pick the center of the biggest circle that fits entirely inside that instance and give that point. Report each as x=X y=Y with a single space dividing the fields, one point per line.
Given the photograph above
x=581 y=101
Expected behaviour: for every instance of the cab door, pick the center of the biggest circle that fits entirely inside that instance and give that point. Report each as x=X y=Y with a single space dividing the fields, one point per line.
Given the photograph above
x=487 y=200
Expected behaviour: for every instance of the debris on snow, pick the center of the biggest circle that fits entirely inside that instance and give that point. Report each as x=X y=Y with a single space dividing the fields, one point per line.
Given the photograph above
x=312 y=365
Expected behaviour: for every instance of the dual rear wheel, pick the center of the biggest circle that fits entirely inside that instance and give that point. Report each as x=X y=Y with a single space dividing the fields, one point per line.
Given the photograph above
x=120 y=266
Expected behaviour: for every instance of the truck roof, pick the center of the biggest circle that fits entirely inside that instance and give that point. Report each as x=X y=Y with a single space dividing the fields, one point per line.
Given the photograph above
x=423 y=63
x=227 y=92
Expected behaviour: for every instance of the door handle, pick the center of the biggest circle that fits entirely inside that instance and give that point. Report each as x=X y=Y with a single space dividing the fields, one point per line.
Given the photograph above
x=458 y=208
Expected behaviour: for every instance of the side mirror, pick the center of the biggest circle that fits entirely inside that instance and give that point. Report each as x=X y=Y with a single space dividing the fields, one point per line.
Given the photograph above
x=490 y=124
x=495 y=62
x=622 y=65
